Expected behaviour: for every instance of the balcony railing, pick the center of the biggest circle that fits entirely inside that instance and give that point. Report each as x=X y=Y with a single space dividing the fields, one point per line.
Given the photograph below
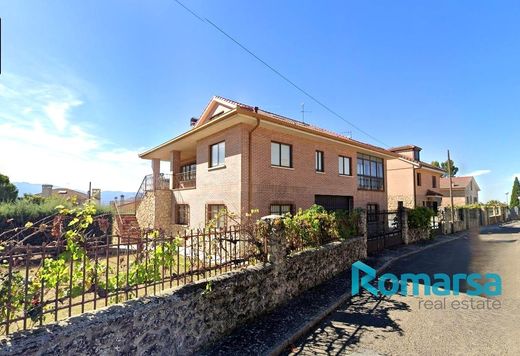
x=185 y=180
x=163 y=183
x=371 y=183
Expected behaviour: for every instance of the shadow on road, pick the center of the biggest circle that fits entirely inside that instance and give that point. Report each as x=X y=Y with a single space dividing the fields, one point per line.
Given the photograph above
x=346 y=325
x=499 y=230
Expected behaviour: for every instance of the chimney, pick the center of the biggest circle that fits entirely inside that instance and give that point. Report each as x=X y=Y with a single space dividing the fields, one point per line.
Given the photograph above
x=122 y=199
x=193 y=121
x=96 y=195
x=256 y=109
x=46 y=190
x=409 y=151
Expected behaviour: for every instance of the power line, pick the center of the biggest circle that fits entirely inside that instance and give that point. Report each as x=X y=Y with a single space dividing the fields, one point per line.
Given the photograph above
x=277 y=72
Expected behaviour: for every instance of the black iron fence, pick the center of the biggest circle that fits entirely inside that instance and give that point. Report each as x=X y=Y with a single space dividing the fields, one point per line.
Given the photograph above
x=41 y=284
x=384 y=230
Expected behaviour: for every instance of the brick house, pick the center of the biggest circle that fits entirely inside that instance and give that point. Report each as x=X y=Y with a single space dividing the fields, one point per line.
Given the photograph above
x=240 y=157
x=411 y=181
x=465 y=191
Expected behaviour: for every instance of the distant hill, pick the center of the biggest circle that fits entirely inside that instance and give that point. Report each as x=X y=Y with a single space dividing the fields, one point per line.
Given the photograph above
x=106 y=196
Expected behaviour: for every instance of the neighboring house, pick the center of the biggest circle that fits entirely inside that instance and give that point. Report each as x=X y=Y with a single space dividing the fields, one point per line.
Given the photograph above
x=411 y=181
x=465 y=191
x=239 y=157
x=48 y=190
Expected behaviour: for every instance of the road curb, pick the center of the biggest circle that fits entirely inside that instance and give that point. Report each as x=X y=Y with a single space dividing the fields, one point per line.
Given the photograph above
x=278 y=349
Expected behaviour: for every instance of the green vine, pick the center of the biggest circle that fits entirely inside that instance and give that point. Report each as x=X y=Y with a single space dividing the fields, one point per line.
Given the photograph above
x=55 y=279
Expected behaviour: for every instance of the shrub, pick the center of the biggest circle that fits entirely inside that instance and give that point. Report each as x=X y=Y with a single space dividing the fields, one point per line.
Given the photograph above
x=348 y=223
x=316 y=226
x=30 y=209
x=420 y=218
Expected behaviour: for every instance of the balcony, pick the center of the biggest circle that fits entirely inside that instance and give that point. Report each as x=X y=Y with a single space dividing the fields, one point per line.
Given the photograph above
x=185 y=180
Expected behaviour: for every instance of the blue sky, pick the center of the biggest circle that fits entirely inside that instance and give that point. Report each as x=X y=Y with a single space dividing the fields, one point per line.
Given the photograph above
x=87 y=85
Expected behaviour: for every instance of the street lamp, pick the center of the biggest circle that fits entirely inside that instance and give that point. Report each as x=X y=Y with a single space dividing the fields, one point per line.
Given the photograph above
x=507 y=195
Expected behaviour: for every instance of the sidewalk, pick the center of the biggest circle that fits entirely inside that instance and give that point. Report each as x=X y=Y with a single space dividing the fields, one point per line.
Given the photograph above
x=274 y=332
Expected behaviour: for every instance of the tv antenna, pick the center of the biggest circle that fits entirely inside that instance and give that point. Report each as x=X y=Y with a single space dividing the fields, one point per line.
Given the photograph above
x=347 y=133
x=303 y=111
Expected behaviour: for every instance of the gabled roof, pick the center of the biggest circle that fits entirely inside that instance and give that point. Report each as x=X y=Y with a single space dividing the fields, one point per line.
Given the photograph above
x=405 y=148
x=67 y=191
x=421 y=164
x=219 y=107
x=458 y=182
x=226 y=104
x=432 y=193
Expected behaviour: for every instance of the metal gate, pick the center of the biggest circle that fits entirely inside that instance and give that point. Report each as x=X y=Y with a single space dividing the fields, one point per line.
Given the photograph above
x=384 y=230
x=436 y=225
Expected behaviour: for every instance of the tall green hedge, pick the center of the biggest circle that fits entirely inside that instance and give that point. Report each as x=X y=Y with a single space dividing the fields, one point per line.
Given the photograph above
x=420 y=218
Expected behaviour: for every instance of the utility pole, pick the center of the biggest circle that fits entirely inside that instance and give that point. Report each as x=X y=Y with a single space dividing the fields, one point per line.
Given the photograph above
x=451 y=194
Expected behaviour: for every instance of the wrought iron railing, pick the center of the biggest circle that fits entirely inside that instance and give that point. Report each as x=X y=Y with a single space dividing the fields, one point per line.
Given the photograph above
x=147 y=185
x=114 y=270
x=185 y=180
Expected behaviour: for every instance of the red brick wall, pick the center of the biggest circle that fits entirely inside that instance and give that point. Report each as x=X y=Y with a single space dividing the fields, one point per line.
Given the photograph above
x=216 y=186
x=299 y=184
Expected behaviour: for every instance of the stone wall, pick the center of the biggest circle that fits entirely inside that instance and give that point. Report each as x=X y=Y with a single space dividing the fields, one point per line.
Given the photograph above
x=182 y=320
x=145 y=212
x=415 y=235
x=155 y=210
x=393 y=201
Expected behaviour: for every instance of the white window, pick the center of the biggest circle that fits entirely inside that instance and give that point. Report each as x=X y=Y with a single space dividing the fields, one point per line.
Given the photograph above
x=319 y=161
x=217 y=154
x=344 y=165
x=281 y=209
x=281 y=155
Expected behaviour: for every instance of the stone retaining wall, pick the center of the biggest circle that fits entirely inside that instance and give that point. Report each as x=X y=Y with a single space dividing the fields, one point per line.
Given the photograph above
x=182 y=320
x=155 y=211
x=415 y=235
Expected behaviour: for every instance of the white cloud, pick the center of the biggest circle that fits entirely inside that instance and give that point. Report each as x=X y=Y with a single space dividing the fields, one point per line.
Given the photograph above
x=57 y=112
x=40 y=142
x=477 y=173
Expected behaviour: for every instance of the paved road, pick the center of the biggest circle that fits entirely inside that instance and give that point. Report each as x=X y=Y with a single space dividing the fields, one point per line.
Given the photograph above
x=400 y=325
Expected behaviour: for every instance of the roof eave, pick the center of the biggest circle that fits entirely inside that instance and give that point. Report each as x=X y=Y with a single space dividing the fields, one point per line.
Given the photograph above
x=309 y=130
x=188 y=133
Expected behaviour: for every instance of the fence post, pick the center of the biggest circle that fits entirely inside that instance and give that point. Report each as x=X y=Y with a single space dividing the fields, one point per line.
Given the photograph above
x=363 y=224
x=276 y=241
x=404 y=226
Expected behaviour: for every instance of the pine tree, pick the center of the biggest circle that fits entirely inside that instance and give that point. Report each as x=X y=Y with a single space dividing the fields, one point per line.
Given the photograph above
x=515 y=194
x=444 y=165
x=8 y=191
x=450 y=164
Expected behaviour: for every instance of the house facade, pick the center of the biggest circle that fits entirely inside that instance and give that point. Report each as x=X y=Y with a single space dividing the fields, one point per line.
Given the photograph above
x=411 y=181
x=66 y=193
x=464 y=189
x=238 y=157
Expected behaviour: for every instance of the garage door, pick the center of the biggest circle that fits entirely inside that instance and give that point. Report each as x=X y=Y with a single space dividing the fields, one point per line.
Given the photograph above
x=335 y=202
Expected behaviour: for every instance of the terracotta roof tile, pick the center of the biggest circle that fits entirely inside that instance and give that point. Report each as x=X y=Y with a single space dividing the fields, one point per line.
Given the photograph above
x=458 y=182
x=424 y=164
x=306 y=125
x=404 y=148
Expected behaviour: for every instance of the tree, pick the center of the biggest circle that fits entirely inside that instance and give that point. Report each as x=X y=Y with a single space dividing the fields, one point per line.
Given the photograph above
x=8 y=191
x=494 y=202
x=444 y=165
x=515 y=193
